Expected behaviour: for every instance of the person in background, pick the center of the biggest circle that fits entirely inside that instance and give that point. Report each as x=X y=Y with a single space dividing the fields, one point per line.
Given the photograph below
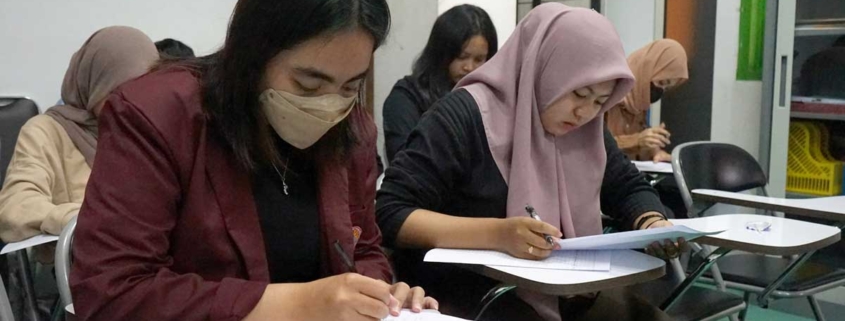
x=463 y=38
x=171 y=48
x=46 y=178
x=241 y=185
x=525 y=128
x=658 y=66
x=823 y=74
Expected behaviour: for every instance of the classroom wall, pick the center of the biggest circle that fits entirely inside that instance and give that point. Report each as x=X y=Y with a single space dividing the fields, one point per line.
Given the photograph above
x=736 y=104
x=38 y=37
x=634 y=21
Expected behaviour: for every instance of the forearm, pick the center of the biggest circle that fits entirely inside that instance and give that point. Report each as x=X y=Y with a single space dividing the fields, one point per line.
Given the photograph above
x=427 y=229
x=280 y=300
x=628 y=143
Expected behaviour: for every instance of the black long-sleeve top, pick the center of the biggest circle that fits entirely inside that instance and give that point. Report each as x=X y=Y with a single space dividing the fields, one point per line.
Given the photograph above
x=446 y=166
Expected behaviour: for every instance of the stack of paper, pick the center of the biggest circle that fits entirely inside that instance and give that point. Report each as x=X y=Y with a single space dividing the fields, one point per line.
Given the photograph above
x=631 y=240
x=425 y=315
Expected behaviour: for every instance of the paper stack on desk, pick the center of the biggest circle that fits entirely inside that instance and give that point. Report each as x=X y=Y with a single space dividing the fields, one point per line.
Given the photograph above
x=588 y=253
x=631 y=240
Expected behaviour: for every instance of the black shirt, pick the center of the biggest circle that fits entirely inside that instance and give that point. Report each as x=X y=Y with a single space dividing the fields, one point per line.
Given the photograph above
x=290 y=223
x=446 y=166
x=402 y=110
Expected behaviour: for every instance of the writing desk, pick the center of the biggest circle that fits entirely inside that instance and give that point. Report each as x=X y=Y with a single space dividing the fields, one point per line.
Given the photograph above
x=783 y=237
x=829 y=208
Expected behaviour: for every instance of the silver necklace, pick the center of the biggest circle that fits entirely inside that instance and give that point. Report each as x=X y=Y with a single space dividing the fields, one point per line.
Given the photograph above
x=283 y=176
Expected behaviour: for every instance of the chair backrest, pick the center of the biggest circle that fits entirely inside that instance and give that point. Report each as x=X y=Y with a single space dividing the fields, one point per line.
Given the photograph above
x=717 y=166
x=14 y=112
x=63 y=260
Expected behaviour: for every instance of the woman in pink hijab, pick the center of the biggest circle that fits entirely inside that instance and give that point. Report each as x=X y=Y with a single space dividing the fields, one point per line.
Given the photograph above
x=525 y=128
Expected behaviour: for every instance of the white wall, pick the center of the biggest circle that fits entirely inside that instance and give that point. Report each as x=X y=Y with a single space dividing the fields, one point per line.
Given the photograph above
x=634 y=21
x=502 y=12
x=38 y=37
x=736 y=104
x=638 y=23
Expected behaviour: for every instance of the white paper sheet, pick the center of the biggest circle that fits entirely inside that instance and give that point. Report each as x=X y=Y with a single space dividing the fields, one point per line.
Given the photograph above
x=425 y=315
x=631 y=240
x=30 y=242
x=652 y=167
x=559 y=260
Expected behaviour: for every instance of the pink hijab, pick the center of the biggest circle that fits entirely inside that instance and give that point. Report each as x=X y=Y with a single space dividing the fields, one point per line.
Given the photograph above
x=554 y=50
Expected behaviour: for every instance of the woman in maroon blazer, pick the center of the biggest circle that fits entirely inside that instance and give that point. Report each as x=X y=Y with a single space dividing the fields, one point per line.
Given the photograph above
x=241 y=185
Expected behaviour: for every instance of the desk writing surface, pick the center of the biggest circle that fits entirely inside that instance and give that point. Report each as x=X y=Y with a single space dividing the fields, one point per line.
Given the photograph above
x=627 y=268
x=831 y=208
x=784 y=236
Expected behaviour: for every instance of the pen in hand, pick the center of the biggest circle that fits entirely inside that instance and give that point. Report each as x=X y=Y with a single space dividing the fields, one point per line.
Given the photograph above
x=349 y=264
x=533 y=214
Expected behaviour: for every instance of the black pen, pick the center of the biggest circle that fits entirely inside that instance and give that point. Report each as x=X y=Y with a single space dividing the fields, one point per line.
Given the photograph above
x=534 y=215
x=344 y=257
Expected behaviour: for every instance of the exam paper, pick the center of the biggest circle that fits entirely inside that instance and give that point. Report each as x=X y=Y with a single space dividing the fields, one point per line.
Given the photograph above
x=30 y=242
x=558 y=260
x=631 y=240
x=425 y=315
x=652 y=167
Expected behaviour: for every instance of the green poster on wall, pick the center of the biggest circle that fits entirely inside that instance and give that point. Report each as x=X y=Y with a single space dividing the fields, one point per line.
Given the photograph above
x=752 y=24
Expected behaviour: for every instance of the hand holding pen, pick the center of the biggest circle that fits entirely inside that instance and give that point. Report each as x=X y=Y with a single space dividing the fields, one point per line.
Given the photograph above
x=527 y=238
x=401 y=295
x=534 y=215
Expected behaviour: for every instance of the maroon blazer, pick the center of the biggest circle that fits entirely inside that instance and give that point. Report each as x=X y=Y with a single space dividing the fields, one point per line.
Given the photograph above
x=169 y=229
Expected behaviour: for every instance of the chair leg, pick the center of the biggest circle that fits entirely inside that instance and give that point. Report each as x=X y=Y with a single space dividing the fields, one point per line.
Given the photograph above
x=817 y=309
x=763 y=297
x=29 y=301
x=5 y=307
x=490 y=297
x=747 y=298
x=58 y=311
x=690 y=280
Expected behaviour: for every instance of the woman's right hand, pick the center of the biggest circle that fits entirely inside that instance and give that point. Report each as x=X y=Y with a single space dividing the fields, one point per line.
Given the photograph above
x=653 y=138
x=347 y=296
x=522 y=237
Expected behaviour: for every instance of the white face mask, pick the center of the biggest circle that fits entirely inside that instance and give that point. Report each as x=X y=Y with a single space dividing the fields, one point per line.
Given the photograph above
x=302 y=121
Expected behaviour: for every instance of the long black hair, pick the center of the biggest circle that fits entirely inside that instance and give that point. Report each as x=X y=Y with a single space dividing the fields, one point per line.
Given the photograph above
x=259 y=30
x=450 y=32
x=174 y=48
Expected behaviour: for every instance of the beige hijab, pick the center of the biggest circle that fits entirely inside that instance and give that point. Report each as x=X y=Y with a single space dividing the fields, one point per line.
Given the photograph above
x=660 y=60
x=110 y=57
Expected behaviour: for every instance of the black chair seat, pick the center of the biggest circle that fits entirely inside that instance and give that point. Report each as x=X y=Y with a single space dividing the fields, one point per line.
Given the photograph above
x=700 y=303
x=760 y=271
